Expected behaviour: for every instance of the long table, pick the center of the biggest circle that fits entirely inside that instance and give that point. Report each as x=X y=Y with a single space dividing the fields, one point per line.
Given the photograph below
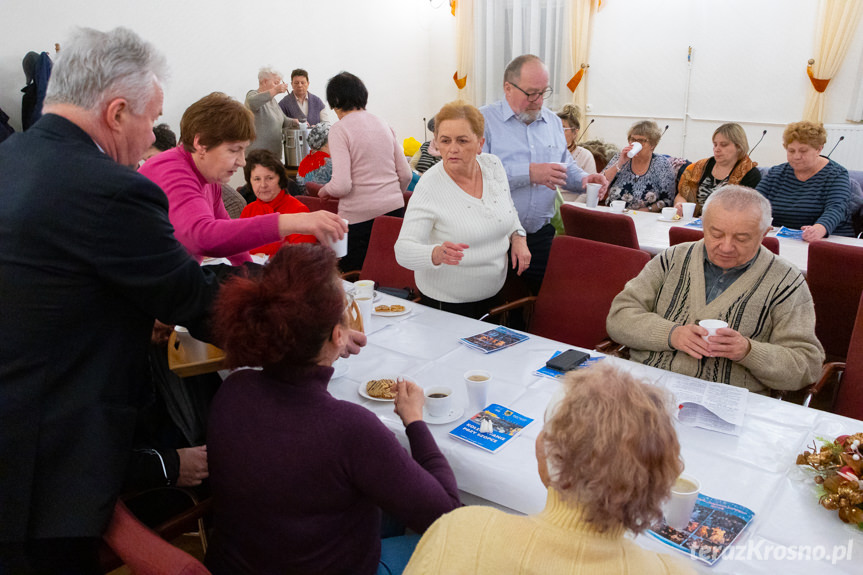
x=653 y=236
x=756 y=469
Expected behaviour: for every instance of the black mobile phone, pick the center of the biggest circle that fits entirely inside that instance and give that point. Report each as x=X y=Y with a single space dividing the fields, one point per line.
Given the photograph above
x=568 y=360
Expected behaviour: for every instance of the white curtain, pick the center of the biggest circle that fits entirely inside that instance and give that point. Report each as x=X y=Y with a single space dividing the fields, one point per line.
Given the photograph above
x=504 y=29
x=583 y=12
x=464 y=25
x=855 y=113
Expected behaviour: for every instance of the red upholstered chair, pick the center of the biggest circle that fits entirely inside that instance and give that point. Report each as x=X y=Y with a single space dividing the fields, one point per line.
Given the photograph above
x=315 y=203
x=380 y=264
x=680 y=234
x=835 y=277
x=143 y=551
x=581 y=280
x=312 y=188
x=849 y=395
x=616 y=229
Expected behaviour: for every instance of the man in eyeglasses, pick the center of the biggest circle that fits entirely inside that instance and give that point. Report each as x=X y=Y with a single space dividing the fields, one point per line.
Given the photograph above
x=529 y=140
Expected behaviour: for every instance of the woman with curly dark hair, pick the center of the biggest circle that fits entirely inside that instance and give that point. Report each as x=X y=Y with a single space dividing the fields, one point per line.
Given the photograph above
x=608 y=455
x=299 y=477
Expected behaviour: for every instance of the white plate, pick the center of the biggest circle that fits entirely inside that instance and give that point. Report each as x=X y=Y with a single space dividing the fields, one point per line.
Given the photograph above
x=341 y=367
x=361 y=389
x=453 y=414
x=661 y=219
x=393 y=313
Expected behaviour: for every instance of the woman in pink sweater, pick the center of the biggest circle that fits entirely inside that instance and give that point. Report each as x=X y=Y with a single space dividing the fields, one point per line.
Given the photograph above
x=214 y=134
x=370 y=171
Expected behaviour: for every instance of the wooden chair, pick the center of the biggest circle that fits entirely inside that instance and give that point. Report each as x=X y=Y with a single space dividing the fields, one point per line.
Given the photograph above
x=616 y=229
x=581 y=280
x=849 y=394
x=144 y=551
x=680 y=234
x=380 y=264
x=315 y=203
x=835 y=277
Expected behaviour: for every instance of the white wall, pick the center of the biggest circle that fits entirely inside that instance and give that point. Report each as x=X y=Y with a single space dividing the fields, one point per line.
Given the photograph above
x=749 y=66
x=404 y=50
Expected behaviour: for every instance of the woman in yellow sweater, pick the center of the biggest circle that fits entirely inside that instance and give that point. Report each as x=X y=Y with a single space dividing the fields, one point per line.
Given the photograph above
x=608 y=455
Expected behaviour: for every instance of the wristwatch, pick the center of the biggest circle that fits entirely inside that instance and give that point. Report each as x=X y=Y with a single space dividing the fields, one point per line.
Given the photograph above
x=521 y=232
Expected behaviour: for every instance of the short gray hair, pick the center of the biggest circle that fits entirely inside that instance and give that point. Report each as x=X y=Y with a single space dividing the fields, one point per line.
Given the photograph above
x=513 y=69
x=96 y=67
x=267 y=72
x=741 y=198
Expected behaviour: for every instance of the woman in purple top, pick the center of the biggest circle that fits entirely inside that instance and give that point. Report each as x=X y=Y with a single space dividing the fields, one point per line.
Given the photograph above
x=214 y=134
x=299 y=477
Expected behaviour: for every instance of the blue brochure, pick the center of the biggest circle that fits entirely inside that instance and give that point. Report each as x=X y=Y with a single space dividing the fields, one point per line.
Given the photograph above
x=505 y=424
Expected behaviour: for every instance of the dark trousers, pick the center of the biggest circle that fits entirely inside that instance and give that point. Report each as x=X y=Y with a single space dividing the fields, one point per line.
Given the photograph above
x=539 y=244
x=472 y=309
x=358 y=243
x=66 y=556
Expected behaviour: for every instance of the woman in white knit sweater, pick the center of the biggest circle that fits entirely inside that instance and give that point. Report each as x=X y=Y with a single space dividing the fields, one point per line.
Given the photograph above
x=461 y=221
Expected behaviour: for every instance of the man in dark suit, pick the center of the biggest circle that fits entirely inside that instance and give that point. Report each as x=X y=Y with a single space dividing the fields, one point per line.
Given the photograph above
x=88 y=259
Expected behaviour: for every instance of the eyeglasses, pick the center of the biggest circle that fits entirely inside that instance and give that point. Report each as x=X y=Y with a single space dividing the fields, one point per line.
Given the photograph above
x=634 y=139
x=570 y=129
x=535 y=95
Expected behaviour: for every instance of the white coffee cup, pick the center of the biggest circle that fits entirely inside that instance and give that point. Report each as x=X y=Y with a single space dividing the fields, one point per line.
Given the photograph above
x=678 y=509
x=438 y=401
x=341 y=246
x=669 y=213
x=365 y=289
x=477 y=383
x=688 y=210
x=618 y=206
x=592 y=195
x=711 y=325
x=636 y=147
x=191 y=347
x=365 y=304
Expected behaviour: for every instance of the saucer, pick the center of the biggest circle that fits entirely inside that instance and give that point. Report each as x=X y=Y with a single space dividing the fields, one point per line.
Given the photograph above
x=453 y=414
x=671 y=220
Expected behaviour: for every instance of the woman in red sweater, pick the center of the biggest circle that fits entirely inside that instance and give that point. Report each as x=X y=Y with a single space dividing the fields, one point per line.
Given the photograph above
x=267 y=178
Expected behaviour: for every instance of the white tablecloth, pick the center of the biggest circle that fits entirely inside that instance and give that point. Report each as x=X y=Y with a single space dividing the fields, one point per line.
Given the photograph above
x=653 y=236
x=756 y=469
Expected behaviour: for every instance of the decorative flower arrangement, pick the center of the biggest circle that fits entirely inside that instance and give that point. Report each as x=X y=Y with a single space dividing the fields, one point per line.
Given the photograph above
x=838 y=467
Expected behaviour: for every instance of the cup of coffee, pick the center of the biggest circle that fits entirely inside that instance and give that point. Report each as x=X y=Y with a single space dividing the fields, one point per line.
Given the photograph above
x=669 y=213
x=592 y=195
x=688 y=210
x=678 y=508
x=365 y=288
x=711 y=325
x=341 y=246
x=477 y=382
x=439 y=401
x=618 y=206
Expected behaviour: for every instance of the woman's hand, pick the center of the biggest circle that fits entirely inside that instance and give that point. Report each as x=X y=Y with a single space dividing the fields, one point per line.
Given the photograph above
x=356 y=340
x=409 y=400
x=324 y=225
x=519 y=254
x=813 y=233
x=448 y=253
x=279 y=88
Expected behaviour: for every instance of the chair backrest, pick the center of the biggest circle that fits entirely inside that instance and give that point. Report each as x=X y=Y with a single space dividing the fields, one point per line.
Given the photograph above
x=581 y=280
x=144 y=552
x=849 y=397
x=315 y=203
x=616 y=229
x=835 y=277
x=312 y=188
x=380 y=264
x=680 y=234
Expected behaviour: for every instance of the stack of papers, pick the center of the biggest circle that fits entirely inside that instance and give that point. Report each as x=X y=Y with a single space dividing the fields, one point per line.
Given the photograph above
x=714 y=406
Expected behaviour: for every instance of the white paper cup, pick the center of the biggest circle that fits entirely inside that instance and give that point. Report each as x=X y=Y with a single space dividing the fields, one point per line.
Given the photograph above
x=190 y=346
x=669 y=213
x=711 y=325
x=688 y=210
x=365 y=304
x=477 y=383
x=636 y=147
x=341 y=246
x=618 y=206
x=365 y=289
x=679 y=507
x=592 y=194
x=438 y=401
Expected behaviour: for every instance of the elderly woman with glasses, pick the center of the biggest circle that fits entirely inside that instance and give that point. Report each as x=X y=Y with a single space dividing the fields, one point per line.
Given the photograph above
x=646 y=182
x=608 y=456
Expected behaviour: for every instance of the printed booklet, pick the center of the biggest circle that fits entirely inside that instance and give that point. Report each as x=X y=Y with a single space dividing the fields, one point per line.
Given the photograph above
x=789 y=233
x=713 y=527
x=504 y=423
x=494 y=339
x=546 y=371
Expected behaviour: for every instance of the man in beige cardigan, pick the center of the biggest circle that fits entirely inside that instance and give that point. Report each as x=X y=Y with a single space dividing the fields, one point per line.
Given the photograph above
x=770 y=340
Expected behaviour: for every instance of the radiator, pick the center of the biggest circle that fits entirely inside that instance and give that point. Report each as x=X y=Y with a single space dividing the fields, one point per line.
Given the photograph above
x=849 y=152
